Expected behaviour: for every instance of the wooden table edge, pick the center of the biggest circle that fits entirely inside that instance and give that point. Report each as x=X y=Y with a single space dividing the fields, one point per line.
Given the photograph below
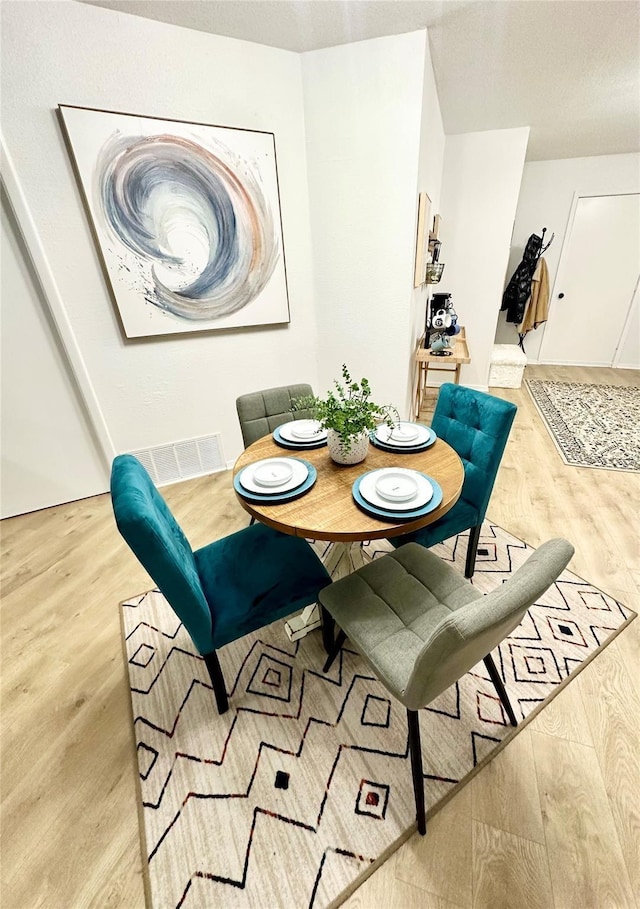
x=378 y=529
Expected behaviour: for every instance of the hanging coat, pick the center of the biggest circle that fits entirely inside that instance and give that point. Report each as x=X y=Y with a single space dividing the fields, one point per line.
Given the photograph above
x=537 y=309
x=518 y=290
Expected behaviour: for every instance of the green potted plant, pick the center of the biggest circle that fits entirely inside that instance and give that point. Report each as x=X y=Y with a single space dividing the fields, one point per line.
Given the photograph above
x=348 y=414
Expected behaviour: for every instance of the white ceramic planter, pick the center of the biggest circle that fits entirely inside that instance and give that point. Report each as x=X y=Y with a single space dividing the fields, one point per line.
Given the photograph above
x=356 y=453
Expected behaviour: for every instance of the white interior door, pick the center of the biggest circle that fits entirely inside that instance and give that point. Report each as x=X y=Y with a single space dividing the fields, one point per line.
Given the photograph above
x=595 y=283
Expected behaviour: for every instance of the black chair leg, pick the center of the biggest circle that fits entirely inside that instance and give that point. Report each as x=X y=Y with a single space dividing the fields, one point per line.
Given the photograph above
x=472 y=549
x=499 y=686
x=327 y=629
x=252 y=521
x=416 y=768
x=335 y=650
x=217 y=680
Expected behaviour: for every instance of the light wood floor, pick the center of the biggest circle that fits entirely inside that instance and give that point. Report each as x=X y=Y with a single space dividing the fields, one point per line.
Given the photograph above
x=553 y=821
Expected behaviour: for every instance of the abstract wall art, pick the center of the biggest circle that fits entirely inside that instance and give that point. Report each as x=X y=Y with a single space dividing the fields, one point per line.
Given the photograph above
x=186 y=217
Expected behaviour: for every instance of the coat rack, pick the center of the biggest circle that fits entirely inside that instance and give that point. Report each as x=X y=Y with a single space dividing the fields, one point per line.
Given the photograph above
x=517 y=293
x=543 y=248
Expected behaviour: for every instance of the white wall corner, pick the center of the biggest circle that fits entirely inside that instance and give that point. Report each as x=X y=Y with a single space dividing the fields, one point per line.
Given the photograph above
x=363 y=116
x=481 y=185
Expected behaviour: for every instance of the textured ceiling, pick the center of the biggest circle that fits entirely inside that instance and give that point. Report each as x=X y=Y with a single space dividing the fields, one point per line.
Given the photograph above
x=569 y=69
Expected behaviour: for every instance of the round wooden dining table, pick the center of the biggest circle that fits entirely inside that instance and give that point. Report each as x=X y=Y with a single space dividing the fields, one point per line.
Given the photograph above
x=329 y=512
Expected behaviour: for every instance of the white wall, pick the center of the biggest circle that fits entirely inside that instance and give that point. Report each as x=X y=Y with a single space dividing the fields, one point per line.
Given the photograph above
x=546 y=197
x=363 y=108
x=49 y=453
x=358 y=134
x=430 y=166
x=156 y=390
x=480 y=187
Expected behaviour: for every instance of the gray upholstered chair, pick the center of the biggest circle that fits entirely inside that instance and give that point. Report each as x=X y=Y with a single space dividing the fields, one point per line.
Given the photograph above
x=260 y=412
x=421 y=626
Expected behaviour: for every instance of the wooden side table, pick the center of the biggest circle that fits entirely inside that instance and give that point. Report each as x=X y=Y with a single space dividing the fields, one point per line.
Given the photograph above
x=425 y=360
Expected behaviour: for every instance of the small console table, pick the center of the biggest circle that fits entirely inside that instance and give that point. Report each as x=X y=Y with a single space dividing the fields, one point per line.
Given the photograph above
x=425 y=360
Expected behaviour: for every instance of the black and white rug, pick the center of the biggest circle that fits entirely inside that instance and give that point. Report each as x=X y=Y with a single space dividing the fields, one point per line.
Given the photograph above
x=303 y=787
x=591 y=425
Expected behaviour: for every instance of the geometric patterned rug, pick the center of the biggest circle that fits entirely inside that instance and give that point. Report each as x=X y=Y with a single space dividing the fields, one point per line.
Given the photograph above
x=297 y=793
x=591 y=425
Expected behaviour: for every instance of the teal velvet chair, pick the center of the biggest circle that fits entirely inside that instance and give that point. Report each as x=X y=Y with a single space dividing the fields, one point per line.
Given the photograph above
x=421 y=626
x=477 y=427
x=223 y=591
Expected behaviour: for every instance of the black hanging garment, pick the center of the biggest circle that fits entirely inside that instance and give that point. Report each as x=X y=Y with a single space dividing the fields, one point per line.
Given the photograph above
x=518 y=290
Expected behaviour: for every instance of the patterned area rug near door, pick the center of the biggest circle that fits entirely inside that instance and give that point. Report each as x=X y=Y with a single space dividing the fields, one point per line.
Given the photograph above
x=296 y=794
x=591 y=425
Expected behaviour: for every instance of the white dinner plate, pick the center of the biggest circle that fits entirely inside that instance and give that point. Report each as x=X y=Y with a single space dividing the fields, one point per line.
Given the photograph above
x=302 y=431
x=397 y=437
x=403 y=432
x=253 y=483
x=368 y=489
x=274 y=472
x=397 y=486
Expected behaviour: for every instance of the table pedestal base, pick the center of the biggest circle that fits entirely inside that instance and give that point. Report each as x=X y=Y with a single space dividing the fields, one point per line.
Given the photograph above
x=340 y=559
x=300 y=625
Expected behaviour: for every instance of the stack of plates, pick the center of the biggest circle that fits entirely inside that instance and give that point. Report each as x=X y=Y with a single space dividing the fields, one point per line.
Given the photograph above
x=405 y=437
x=274 y=480
x=300 y=434
x=396 y=493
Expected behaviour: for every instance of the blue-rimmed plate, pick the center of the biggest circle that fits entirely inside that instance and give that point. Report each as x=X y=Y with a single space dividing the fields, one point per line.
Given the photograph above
x=296 y=446
x=404 y=449
x=277 y=498
x=388 y=515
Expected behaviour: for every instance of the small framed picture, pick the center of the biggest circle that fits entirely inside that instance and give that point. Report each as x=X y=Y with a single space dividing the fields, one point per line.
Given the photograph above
x=422 y=239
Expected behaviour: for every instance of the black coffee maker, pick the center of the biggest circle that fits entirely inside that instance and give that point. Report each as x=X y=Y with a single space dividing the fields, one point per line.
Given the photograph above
x=441 y=321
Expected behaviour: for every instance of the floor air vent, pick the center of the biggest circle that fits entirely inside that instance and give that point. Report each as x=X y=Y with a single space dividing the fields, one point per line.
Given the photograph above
x=182 y=460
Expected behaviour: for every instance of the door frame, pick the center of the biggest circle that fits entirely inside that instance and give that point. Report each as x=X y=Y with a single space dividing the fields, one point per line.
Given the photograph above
x=556 y=282
x=51 y=295
x=627 y=324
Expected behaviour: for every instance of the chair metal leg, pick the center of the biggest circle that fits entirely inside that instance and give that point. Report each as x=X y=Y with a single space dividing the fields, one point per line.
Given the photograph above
x=252 y=521
x=335 y=650
x=217 y=680
x=472 y=549
x=499 y=686
x=416 y=768
x=327 y=629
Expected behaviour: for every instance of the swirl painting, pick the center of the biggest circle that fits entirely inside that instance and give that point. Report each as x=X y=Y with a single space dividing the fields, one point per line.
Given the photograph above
x=186 y=218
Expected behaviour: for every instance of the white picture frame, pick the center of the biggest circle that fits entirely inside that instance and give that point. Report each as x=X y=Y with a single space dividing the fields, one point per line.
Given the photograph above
x=186 y=217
